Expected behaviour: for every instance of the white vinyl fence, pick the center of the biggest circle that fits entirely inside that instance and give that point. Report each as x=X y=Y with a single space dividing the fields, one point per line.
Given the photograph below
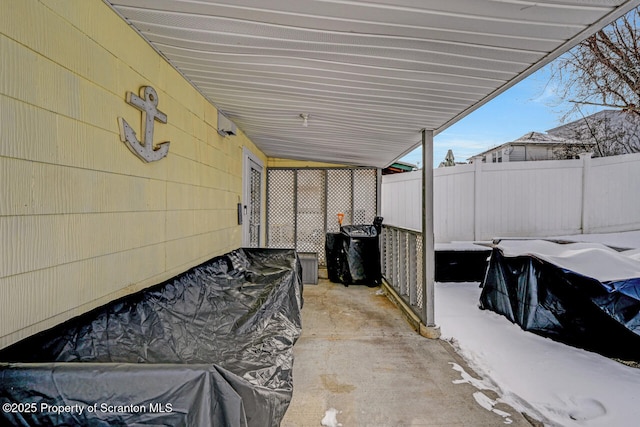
x=482 y=201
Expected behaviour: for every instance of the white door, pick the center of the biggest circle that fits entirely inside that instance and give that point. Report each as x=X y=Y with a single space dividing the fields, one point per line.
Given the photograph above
x=252 y=203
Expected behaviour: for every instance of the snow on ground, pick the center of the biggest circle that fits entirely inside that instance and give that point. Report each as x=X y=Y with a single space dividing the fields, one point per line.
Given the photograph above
x=553 y=382
x=628 y=239
x=330 y=418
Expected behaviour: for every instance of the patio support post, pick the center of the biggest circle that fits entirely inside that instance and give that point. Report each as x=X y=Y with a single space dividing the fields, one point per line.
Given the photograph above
x=429 y=330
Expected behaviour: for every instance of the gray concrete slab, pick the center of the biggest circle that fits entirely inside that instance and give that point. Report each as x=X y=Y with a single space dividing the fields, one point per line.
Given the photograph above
x=357 y=354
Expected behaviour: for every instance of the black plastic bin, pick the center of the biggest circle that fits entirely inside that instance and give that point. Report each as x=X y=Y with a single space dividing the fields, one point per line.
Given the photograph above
x=353 y=255
x=337 y=268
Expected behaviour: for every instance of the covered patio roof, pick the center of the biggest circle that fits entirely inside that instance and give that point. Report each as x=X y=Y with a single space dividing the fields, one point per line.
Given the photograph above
x=368 y=75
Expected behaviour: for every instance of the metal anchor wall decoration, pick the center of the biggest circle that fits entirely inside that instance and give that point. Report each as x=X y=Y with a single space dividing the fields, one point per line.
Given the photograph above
x=147 y=102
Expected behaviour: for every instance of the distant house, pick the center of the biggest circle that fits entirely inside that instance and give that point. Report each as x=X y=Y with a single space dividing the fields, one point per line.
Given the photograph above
x=534 y=146
x=611 y=132
x=398 y=167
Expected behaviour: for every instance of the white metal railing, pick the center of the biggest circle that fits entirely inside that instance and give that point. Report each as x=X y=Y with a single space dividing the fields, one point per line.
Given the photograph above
x=401 y=252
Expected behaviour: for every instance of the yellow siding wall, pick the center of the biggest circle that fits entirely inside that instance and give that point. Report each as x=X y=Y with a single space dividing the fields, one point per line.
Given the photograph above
x=82 y=220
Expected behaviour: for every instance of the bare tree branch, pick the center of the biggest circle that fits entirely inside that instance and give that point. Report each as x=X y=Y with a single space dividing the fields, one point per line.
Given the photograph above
x=604 y=71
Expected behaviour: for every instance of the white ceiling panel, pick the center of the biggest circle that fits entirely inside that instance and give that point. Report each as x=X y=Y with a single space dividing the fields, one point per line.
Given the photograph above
x=370 y=74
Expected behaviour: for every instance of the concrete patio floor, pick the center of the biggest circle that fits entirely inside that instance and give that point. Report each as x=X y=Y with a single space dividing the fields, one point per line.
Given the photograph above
x=359 y=355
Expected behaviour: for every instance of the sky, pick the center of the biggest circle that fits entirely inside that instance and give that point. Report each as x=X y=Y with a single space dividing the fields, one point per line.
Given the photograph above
x=531 y=105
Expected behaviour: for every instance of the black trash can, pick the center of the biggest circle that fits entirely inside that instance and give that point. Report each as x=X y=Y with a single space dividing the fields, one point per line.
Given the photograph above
x=353 y=255
x=337 y=267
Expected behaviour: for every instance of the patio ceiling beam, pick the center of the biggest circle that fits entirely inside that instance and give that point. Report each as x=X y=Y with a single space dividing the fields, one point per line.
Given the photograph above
x=370 y=74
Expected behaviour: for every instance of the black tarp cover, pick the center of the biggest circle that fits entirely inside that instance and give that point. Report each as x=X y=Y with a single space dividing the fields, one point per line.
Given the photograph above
x=337 y=267
x=466 y=265
x=353 y=255
x=210 y=347
x=550 y=290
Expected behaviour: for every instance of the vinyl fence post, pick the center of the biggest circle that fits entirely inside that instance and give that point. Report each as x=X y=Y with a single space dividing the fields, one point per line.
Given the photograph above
x=477 y=162
x=586 y=188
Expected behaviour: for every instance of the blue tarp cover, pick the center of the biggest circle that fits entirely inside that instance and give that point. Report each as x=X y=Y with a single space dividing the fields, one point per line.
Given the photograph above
x=551 y=291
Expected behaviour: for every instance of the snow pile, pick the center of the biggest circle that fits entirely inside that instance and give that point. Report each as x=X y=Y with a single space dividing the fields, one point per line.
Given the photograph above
x=330 y=418
x=483 y=400
x=627 y=239
x=488 y=404
x=588 y=259
x=553 y=382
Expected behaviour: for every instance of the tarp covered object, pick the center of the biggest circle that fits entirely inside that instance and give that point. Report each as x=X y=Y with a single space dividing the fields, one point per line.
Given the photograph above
x=461 y=265
x=210 y=347
x=583 y=294
x=363 y=253
x=337 y=267
x=353 y=255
